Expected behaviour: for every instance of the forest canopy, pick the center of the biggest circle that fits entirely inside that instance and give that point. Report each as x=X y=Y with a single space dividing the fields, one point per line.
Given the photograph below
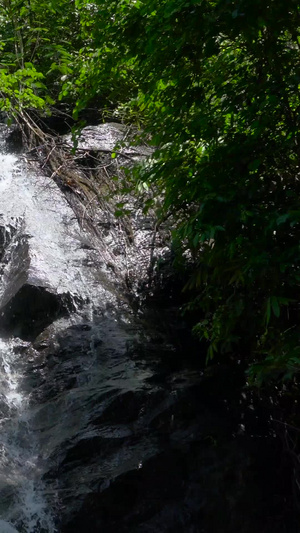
x=216 y=85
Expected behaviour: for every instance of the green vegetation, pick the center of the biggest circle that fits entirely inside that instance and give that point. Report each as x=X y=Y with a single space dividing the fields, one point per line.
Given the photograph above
x=216 y=84
x=36 y=42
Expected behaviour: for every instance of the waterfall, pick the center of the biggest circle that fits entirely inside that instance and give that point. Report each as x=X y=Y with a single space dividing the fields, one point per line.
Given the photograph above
x=23 y=507
x=21 y=490
x=64 y=362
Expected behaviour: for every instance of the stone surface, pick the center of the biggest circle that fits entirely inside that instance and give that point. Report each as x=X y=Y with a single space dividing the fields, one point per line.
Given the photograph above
x=27 y=303
x=105 y=137
x=30 y=309
x=45 y=271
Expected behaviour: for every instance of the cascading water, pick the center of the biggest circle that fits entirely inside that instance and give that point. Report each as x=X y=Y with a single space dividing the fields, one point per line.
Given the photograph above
x=58 y=383
x=23 y=507
x=22 y=491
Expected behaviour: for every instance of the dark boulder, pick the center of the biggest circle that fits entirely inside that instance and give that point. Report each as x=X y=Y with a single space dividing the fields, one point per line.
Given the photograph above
x=27 y=303
x=31 y=309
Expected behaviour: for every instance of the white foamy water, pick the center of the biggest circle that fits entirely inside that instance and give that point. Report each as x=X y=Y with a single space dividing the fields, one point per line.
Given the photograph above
x=33 y=210
x=48 y=220
x=23 y=507
x=57 y=259
x=35 y=206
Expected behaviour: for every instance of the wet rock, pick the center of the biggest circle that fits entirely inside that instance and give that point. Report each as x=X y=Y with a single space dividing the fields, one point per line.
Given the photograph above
x=27 y=306
x=205 y=485
x=7 y=232
x=101 y=137
x=123 y=409
x=30 y=309
x=6 y=527
x=105 y=137
x=4 y=409
x=14 y=140
x=87 y=449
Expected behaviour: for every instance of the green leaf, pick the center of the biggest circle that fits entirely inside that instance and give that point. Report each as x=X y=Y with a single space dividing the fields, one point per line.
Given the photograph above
x=282 y=219
x=275 y=306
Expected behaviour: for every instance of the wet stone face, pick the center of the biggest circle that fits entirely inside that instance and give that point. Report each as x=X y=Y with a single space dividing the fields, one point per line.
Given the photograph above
x=31 y=309
x=9 y=228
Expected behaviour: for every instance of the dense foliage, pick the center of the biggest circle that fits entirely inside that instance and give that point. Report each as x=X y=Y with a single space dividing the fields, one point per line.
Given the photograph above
x=36 y=42
x=216 y=84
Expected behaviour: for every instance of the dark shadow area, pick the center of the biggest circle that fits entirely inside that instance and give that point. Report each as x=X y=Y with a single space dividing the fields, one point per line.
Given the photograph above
x=150 y=442
x=31 y=310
